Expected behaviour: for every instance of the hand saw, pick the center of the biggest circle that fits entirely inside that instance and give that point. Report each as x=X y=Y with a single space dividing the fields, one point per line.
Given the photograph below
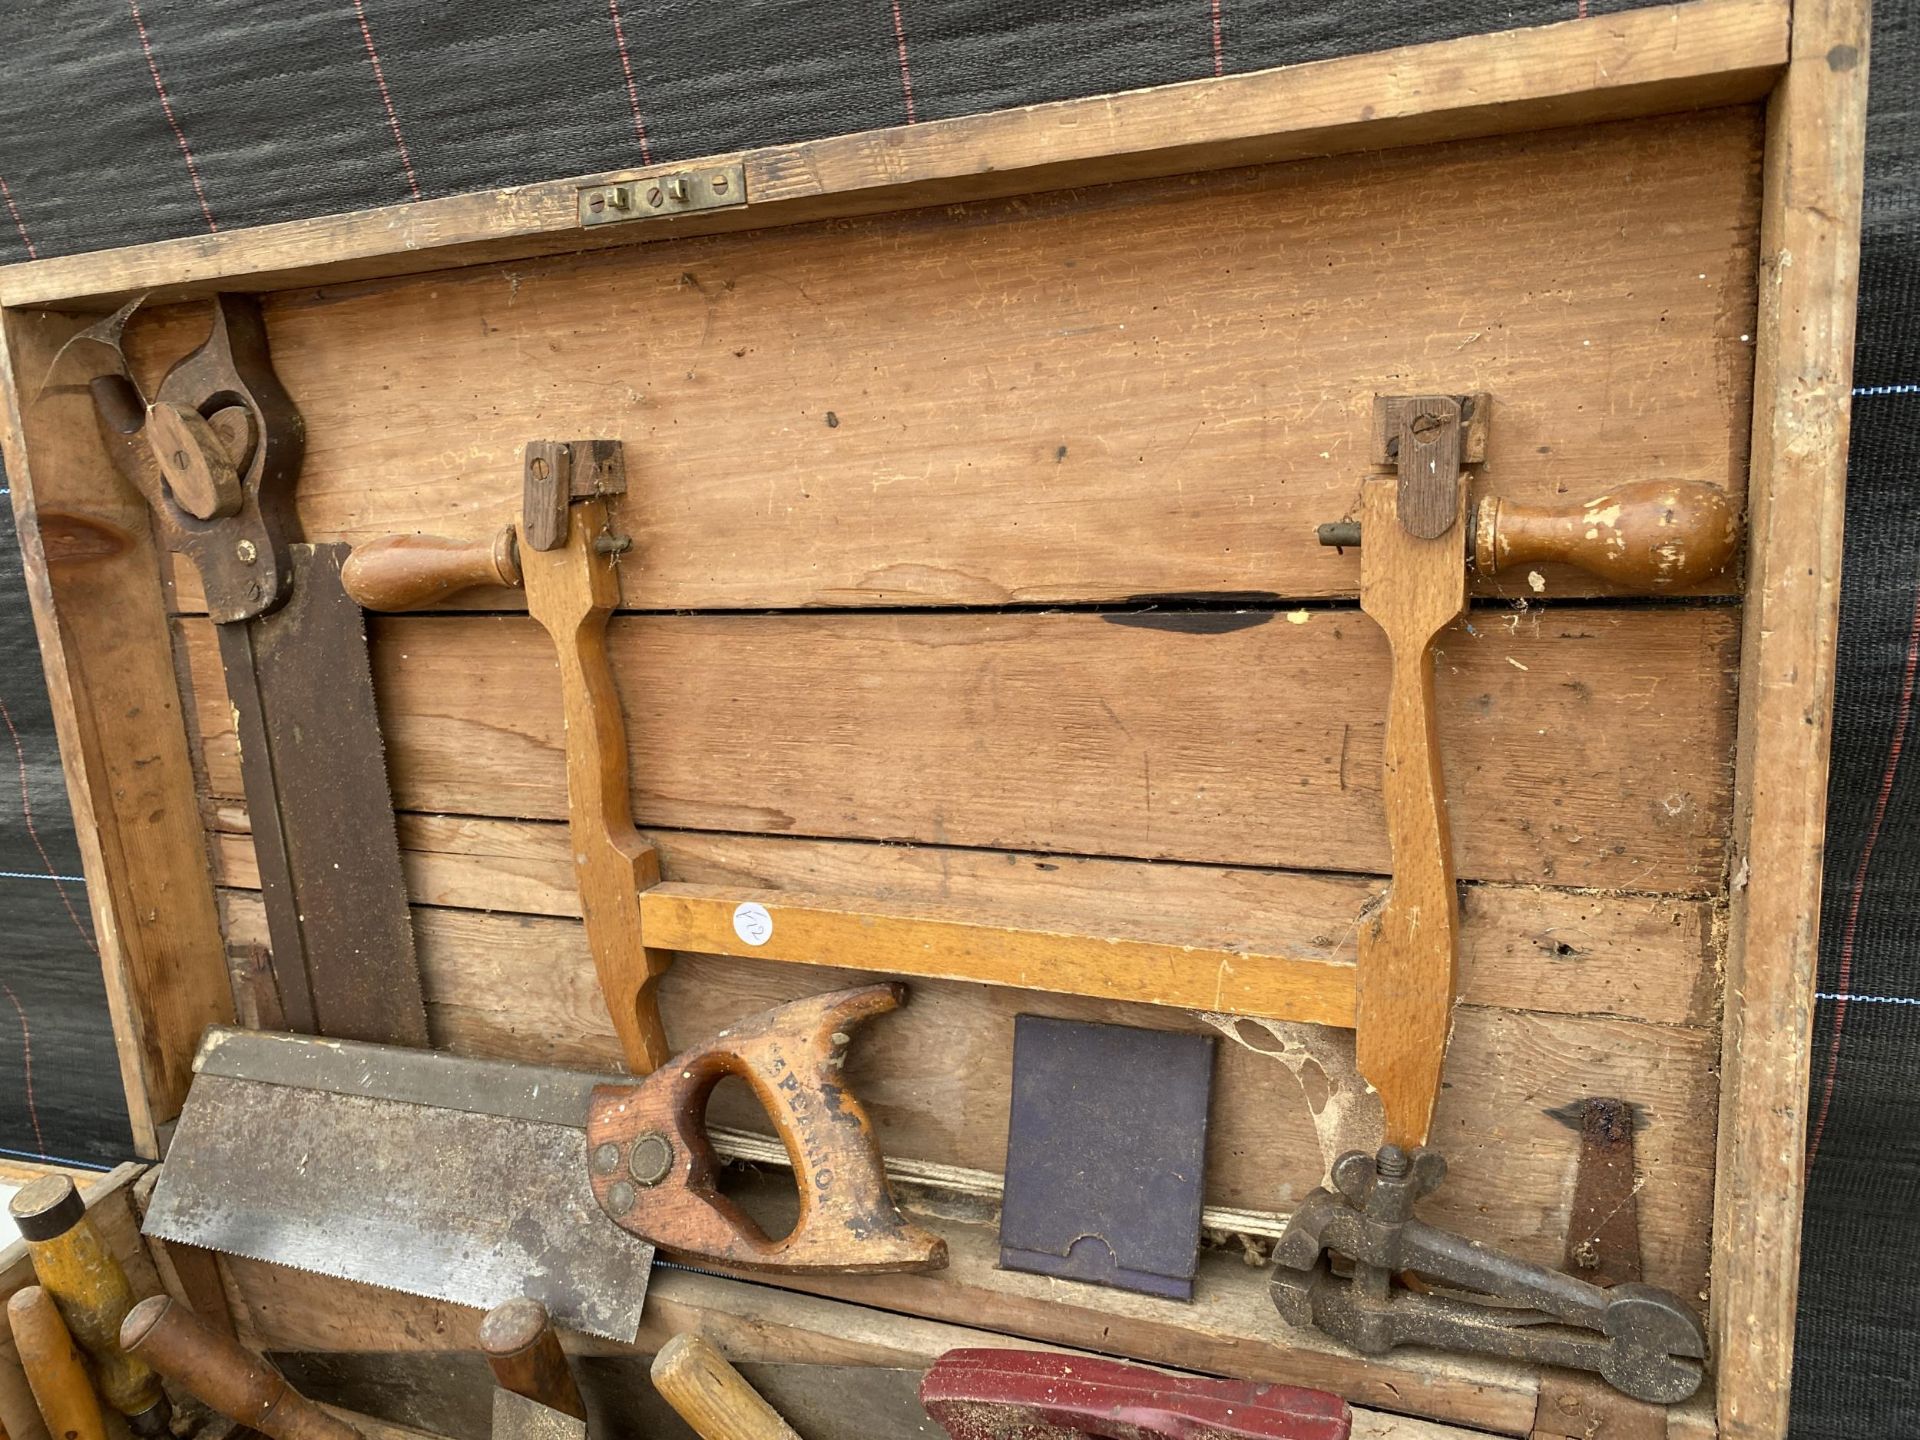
x=456 y=1179
x=215 y=453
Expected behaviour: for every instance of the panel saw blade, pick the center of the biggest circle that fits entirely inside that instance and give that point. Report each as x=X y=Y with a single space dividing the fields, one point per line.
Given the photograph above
x=435 y=1175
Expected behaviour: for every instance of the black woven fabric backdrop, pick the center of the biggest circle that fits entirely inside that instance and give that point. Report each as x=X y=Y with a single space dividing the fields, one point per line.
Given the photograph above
x=124 y=121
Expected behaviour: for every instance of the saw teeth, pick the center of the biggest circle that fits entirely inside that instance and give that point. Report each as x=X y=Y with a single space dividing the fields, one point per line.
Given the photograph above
x=578 y=1323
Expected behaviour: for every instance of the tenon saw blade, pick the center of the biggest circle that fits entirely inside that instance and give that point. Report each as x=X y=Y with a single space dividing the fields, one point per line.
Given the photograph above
x=456 y=1179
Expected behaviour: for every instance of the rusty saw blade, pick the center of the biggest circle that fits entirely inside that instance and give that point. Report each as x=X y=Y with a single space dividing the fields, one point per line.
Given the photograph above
x=215 y=451
x=456 y=1179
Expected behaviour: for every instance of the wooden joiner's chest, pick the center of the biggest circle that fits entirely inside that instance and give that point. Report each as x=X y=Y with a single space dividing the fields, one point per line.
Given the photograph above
x=973 y=473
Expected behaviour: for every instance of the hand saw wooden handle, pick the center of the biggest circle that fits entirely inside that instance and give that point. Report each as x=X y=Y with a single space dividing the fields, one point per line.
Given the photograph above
x=224 y=1375
x=412 y=572
x=1648 y=535
x=655 y=1172
x=711 y=1396
x=55 y=1373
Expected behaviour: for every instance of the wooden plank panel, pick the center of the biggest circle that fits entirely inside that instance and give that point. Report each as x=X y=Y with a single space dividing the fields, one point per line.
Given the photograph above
x=1810 y=245
x=1636 y=957
x=1641 y=62
x=753 y=1322
x=93 y=579
x=1582 y=747
x=1091 y=395
x=935 y=1078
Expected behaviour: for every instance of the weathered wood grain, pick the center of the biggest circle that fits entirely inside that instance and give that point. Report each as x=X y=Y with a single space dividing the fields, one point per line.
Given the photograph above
x=1581 y=747
x=93 y=580
x=1230 y=1328
x=934 y=1076
x=1635 y=957
x=1810 y=258
x=1091 y=395
x=756 y=1323
x=1640 y=62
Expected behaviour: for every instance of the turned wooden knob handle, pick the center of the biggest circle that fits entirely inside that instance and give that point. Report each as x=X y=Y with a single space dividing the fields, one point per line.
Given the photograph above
x=224 y=1375
x=1649 y=535
x=711 y=1396
x=411 y=572
x=524 y=1353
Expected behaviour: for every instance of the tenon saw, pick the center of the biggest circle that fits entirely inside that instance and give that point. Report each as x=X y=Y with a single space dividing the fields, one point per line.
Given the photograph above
x=460 y=1180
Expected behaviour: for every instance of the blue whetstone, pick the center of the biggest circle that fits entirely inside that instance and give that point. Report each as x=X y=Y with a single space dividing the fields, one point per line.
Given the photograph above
x=1106 y=1151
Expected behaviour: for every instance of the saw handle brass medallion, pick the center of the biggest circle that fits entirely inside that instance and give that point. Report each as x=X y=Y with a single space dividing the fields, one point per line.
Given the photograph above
x=1418 y=537
x=654 y=1170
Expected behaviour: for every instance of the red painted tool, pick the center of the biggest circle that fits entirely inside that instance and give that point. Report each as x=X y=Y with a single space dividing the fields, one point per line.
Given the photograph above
x=1028 y=1395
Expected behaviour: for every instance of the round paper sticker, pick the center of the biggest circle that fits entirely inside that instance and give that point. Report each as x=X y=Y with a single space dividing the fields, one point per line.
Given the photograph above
x=752 y=923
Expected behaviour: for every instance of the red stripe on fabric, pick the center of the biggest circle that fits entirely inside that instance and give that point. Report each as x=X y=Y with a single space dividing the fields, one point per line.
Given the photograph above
x=900 y=49
x=1219 y=48
x=166 y=105
x=18 y=223
x=1856 y=894
x=33 y=831
x=26 y=1060
x=386 y=98
x=633 y=92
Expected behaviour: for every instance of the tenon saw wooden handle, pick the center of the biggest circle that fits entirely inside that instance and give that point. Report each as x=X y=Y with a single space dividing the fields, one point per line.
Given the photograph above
x=411 y=572
x=523 y=1351
x=655 y=1173
x=711 y=1396
x=1649 y=535
x=55 y=1373
x=224 y=1375
x=77 y=1269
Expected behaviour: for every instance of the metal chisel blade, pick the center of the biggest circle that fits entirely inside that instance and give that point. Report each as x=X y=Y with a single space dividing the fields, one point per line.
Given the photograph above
x=455 y=1179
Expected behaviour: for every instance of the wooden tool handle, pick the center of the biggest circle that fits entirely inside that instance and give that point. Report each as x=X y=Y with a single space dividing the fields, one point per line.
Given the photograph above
x=224 y=1375
x=524 y=1353
x=712 y=1396
x=92 y=1292
x=655 y=1173
x=411 y=572
x=1650 y=535
x=55 y=1372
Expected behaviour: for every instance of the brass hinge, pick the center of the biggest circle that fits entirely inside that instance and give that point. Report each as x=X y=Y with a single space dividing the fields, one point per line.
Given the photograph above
x=716 y=187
